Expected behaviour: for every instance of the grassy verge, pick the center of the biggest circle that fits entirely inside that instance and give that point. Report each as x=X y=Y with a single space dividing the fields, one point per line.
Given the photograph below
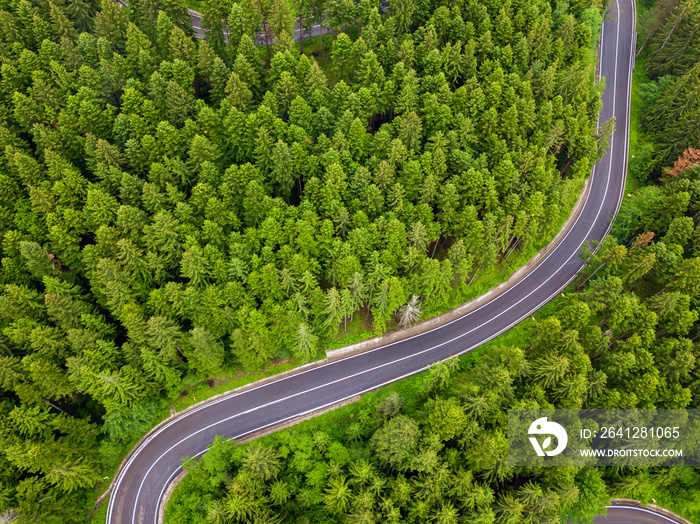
x=100 y=516
x=638 y=141
x=677 y=497
x=197 y=5
x=638 y=77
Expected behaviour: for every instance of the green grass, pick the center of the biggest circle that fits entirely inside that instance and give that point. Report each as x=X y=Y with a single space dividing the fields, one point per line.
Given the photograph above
x=197 y=5
x=638 y=77
x=637 y=139
x=312 y=47
x=100 y=516
x=200 y=390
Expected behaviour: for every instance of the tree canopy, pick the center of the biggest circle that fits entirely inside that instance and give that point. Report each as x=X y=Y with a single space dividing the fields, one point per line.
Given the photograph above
x=172 y=207
x=433 y=448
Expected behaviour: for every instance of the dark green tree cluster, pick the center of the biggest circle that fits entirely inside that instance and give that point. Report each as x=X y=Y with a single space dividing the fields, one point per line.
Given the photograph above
x=169 y=206
x=670 y=41
x=627 y=338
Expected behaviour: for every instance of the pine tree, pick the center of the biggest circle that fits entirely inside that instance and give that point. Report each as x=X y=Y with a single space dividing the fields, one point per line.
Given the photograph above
x=286 y=91
x=337 y=496
x=339 y=13
x=305 y=343
x=237 y=92
x=207 y=352
x=410 y=130
x=261 y=461
x=403 y=13
x=333 y=309
x=214 y=21
x=62 y=25
x=219 y=79
x=179 y=104
x=391 y=405
x=181 y=46
x=410 y=312
x=37 y=260
x=281 y=18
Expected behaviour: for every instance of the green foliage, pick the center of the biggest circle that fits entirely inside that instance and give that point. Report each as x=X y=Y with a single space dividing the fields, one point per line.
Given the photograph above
x=593 y=497
x=395 y=442
x=391 y=405
x=627 y=338
x=171 y=206
x=134 y=422
x=669 y=39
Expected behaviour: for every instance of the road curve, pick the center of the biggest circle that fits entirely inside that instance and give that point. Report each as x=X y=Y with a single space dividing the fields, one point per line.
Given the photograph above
x=140 y=484
x=633 y=515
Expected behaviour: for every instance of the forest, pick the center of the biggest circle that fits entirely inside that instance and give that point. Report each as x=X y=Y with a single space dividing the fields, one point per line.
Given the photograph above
x=173 y=207
x=624 y=335
x=434 y=448
x=669 y=83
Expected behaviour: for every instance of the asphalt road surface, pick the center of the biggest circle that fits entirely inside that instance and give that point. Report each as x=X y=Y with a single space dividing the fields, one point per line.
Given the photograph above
x=632 y=515
x=141 y=483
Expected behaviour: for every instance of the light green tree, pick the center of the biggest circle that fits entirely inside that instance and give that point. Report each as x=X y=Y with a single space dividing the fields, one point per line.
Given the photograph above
x=305 y=343
x=207 y=351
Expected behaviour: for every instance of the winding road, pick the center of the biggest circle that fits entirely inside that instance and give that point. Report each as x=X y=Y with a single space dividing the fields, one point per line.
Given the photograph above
x=142 y=481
